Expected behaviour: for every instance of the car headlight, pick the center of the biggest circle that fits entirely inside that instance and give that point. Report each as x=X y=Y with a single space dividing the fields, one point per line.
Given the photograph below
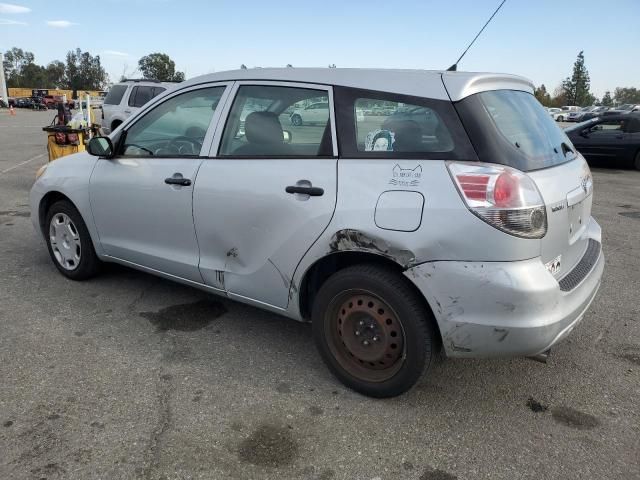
x=41 y=170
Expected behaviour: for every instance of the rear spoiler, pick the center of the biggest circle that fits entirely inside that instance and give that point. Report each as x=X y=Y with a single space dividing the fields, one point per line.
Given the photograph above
x=462 y=84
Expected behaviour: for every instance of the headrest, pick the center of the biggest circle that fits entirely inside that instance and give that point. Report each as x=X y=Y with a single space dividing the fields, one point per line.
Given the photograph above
x=263 y=128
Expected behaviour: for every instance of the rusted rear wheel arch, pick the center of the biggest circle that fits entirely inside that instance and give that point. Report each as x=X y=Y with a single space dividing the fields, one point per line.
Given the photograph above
x=321 y=270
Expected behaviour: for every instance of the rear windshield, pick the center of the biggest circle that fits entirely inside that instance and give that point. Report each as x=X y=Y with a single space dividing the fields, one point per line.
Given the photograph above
x=512 y=128
x=115 y=95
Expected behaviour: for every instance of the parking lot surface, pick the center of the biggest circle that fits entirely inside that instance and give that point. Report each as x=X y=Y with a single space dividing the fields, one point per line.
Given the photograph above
x=130 y=376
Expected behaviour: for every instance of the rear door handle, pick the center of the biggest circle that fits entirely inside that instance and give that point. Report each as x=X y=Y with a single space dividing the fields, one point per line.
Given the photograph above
x=311 y=191
x=183 y=182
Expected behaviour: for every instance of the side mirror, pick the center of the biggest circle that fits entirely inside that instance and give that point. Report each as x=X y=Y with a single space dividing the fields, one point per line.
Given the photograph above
x=100 y=147
x=286 y=134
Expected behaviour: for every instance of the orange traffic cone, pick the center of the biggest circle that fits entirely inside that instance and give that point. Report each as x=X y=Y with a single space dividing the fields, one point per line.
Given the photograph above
x=12 y=110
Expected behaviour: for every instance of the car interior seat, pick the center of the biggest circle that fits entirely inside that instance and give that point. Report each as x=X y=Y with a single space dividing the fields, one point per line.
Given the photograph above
x=264 y=135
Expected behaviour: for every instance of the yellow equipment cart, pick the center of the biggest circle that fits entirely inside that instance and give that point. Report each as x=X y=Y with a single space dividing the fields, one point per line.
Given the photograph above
x=63 y=140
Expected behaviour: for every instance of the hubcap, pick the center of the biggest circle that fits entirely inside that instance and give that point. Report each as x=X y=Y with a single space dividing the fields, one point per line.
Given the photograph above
x=367 y=337
x=65 y=241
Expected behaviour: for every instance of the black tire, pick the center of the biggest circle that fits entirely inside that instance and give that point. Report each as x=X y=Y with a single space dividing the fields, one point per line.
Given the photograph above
x=560 y=119
x=115 y=125
x=388 y=291
x=88 y=264
x=636 y=162
x=296 y=120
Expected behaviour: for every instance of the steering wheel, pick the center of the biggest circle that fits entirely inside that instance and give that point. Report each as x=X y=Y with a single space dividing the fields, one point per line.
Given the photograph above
x=138 y=146
x=195 y=143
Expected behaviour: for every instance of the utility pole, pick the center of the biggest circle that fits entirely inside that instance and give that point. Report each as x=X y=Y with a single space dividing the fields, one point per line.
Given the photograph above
x=3 y=83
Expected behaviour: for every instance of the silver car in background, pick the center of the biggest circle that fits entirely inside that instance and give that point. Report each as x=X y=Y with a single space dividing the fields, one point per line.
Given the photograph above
x=460 y=220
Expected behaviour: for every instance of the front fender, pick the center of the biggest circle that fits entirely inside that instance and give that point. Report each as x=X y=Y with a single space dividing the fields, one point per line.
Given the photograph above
x=68 y=176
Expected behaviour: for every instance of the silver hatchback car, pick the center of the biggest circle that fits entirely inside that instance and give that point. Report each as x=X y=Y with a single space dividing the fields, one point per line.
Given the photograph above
x=424 y=211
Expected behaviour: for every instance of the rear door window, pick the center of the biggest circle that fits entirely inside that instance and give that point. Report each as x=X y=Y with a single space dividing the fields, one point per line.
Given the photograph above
x=140 y=95
x=276 y=121
x=114 y=97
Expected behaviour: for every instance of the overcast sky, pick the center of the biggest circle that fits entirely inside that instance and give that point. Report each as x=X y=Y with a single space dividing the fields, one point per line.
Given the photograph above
x=539 y=39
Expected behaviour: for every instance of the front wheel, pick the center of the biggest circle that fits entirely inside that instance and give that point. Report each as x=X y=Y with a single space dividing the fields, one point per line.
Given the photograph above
x=296 y=120
x=69 y=243
x=636 y=162
x=373 y=330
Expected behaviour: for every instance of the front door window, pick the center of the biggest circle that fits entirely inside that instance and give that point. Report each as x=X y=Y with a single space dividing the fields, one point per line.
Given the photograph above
x=175 y=128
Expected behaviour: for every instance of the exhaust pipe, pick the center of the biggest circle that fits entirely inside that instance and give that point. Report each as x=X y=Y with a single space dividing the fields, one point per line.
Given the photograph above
x=541 y=357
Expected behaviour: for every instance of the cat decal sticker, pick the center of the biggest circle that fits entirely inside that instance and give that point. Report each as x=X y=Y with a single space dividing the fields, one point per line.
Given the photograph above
x=406 y=177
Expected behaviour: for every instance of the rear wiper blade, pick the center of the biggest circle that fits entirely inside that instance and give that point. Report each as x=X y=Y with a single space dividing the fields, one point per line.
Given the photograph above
x=566 y=148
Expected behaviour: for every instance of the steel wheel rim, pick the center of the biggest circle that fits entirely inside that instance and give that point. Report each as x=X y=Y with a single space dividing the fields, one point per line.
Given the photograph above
x=64 y=239
x=365 y=336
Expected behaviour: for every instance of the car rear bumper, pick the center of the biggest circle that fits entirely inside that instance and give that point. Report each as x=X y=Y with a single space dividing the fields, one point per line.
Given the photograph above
x=486 y=309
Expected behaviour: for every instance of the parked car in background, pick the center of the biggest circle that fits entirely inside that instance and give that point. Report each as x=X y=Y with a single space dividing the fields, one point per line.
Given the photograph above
x=23 y=102
x=52 y=101
x=623 y=109
x=315 y=113
x=593 y=113
x=575 y=115
x=558 y=114
x=612 y=139
x=38 y=104
x=126 y=98
x=477 y=238
x=552 y=110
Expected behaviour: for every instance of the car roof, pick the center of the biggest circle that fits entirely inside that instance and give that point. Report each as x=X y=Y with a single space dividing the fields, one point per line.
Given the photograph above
x=421 y=83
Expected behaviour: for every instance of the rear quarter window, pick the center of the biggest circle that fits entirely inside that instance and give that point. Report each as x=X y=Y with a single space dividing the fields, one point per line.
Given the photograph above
x=373 y=124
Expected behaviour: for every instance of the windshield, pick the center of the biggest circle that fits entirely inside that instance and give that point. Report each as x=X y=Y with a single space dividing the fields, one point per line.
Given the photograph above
x=512 y=128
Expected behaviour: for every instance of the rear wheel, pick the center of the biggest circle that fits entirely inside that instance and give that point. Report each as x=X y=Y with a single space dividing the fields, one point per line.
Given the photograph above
x=296 y=120
x=636 y=162
x=115 y=125
x=373 y=330
x=69 y=243
x=560 y=119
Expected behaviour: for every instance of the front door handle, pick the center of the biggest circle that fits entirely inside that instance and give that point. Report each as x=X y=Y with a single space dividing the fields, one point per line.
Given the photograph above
x=183 y=182
x=311 y=191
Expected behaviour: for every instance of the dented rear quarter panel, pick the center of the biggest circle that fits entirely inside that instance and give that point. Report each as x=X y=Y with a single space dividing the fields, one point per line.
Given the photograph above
x=448 y=230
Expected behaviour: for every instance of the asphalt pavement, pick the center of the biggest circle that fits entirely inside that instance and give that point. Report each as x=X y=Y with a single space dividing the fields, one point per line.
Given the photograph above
x=128 y=376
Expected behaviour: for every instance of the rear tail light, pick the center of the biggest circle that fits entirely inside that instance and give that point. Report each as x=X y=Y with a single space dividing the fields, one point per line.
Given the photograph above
x=504 y=197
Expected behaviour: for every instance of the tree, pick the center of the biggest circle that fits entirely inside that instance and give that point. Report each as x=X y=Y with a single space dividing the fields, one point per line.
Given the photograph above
x=159 y=66
x=55 y=73
x=606 y=99
x=15 y=60
x=542 y=95
x=626 y=95
x=84 y=72
x=33 y=75
x=576 y=87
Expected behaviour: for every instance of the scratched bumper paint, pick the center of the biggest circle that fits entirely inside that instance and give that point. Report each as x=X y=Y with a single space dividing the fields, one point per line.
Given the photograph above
x=502 y=308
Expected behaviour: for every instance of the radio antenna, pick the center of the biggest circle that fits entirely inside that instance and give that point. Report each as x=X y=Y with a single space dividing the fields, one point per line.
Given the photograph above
x=454 y=67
